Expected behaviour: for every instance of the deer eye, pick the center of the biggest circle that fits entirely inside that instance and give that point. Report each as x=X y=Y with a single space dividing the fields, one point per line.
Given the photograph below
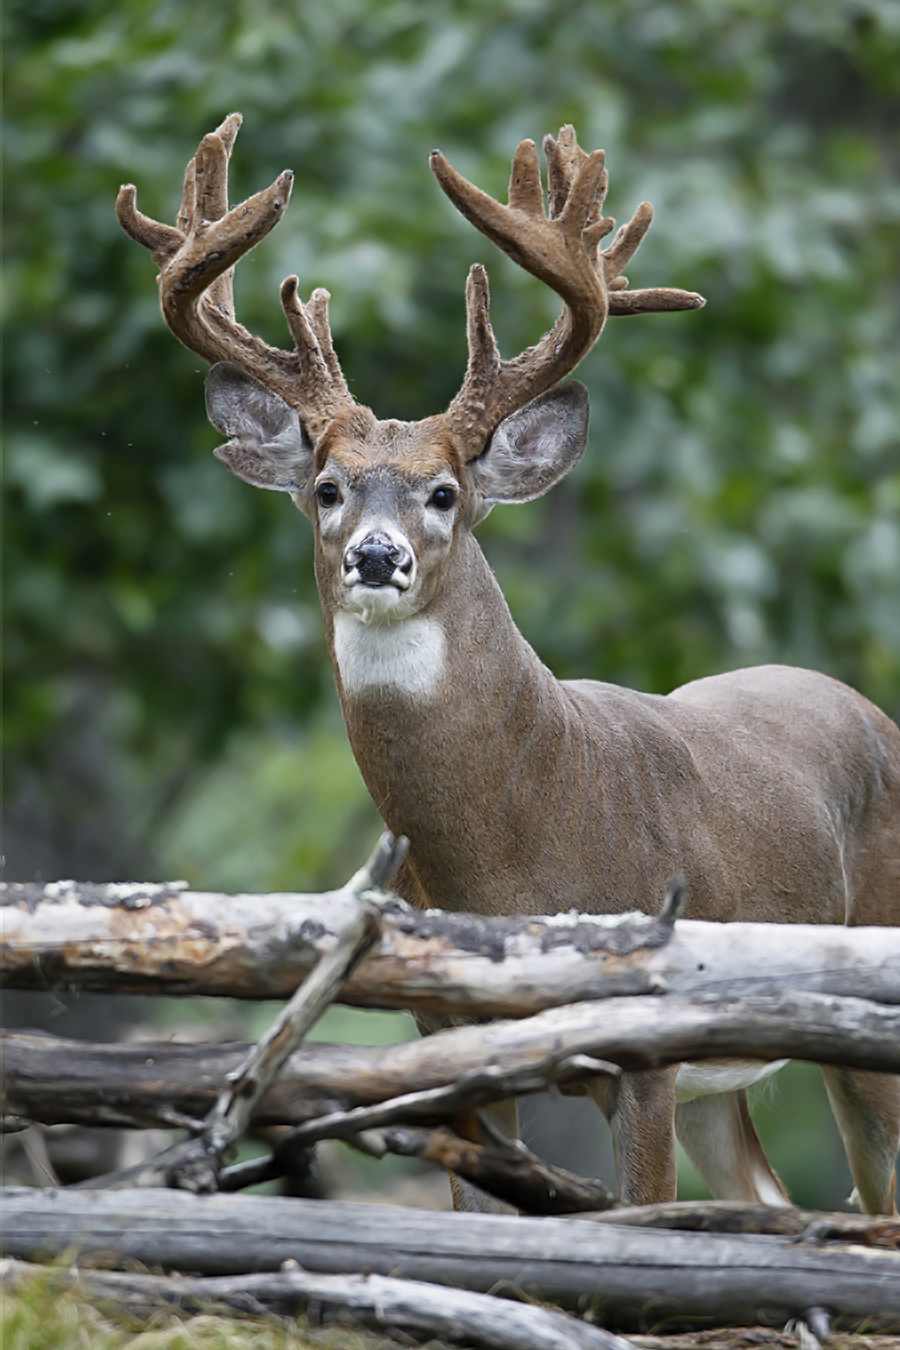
x=443 y=498
x=328 y=494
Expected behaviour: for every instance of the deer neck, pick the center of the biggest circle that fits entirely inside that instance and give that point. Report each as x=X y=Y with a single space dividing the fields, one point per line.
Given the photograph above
x=452 y=692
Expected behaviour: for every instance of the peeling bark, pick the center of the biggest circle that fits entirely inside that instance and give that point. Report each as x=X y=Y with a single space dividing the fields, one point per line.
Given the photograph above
x=165 y=940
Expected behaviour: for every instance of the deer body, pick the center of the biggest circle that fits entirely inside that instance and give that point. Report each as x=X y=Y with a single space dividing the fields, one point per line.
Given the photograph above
x=605 y=793
x=775 y=792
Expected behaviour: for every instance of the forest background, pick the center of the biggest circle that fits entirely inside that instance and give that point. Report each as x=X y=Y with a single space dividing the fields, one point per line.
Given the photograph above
x=169 y=704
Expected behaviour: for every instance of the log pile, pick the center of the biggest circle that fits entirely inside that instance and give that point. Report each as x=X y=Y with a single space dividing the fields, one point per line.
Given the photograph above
x=592 y=996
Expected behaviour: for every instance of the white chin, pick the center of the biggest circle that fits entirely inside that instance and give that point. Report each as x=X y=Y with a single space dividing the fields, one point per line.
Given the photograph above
x=376 y=604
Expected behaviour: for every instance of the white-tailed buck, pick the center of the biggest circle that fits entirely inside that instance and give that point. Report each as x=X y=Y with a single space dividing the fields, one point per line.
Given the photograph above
x=775 y=792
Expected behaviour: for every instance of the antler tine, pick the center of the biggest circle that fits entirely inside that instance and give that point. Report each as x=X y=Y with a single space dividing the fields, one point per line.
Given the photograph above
x=484 y=355
x=561 y=248
x=215 y=206
x=196 y=261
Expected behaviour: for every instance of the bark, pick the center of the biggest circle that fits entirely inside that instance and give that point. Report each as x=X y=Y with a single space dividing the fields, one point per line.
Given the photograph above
x=138 y=938
x=58 y=1081
x=626 y=1276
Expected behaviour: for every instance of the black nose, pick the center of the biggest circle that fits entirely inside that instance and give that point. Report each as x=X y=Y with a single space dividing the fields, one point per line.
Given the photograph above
x=376 y=558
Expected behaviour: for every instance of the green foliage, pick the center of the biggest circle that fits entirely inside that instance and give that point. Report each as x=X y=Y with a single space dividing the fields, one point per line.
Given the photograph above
x=169 y=702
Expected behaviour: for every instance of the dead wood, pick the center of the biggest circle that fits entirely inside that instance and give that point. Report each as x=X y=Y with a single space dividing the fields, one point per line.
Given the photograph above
x=422 y=1310
x=728 y=1216
x=502 y=1167
x=57 y=1081
x=194 y=1163
x=159 y=938
x=505 y=1169
x=627 y=1277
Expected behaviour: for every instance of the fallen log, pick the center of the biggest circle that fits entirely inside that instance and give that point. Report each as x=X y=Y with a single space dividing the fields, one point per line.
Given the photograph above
x=194 y=1164
x=139 y=938
x=505 y=1169
x=735 y=1216
x=386 y=1304
x=149 y=1084
x=502 y=1167
x=628 y=1277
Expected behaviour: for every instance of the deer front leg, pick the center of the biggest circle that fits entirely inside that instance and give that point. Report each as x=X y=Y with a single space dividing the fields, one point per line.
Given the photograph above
x=640 y=1108
x=466 y=1196
x=504 y=1115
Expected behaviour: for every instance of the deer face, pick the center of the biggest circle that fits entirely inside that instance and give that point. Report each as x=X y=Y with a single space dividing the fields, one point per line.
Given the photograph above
x=389 y=501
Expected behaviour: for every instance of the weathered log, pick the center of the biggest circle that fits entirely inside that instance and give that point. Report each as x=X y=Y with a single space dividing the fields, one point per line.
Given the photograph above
x=200 y=1158
x=626 y=1275
x=137 y=938
x=507 y=1170
x=730 y=1216
x=385 y=1304
x=502 y=1167
x=60 y=1081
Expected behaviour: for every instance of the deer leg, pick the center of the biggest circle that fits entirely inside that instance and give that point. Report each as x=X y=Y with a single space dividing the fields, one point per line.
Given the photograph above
x=718 y=1135
x=467 y=1196
x=640 y=1108
x=866 y=1107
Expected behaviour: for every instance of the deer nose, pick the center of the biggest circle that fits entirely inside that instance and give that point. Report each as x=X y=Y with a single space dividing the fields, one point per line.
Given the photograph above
x=376 y=558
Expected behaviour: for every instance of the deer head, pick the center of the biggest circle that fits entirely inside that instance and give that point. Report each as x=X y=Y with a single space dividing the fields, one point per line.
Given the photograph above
x=389 y=500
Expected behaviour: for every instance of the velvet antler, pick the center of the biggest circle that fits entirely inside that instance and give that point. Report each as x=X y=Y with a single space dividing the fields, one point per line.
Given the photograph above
x=562 y=249
x=196 y=268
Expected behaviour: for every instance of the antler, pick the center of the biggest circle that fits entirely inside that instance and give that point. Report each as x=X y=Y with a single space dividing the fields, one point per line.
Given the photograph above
x=196 y=283
x=560 y=248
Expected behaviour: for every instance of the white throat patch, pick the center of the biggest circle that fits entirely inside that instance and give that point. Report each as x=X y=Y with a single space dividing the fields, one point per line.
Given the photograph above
x=407 y=655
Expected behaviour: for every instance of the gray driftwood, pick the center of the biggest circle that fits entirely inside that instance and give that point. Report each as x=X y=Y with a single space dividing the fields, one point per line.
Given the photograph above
x=626 y=1275
x=169 y=940
x=201 y=1157
x=732 y=1216
x=385 y=1304
x=194 y=1163
x=59 y=1081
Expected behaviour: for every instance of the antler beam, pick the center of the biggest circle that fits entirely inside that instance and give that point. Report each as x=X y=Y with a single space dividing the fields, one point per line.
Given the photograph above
x=196 y=261
x=561 y=247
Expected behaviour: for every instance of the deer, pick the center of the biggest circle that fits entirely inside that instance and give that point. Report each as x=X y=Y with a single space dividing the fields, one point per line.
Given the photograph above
x=775 y=792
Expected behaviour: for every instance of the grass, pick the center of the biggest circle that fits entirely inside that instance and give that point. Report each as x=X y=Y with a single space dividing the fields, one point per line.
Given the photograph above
x=40 y=1315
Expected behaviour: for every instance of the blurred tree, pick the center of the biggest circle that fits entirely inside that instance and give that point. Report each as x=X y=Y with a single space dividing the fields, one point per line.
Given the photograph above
x=169 y=702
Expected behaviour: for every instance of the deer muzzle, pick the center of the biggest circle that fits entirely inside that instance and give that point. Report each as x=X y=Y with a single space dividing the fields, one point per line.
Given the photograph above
x=377 y=560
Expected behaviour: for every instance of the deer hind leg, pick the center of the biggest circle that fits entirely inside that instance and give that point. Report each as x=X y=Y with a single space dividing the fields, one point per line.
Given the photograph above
x=718 y=1135
x=640 y=1108
x=866 y=1107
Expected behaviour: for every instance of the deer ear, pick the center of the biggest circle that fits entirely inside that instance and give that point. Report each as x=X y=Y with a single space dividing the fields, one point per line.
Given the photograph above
x=269 y=446
x=535 y=447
